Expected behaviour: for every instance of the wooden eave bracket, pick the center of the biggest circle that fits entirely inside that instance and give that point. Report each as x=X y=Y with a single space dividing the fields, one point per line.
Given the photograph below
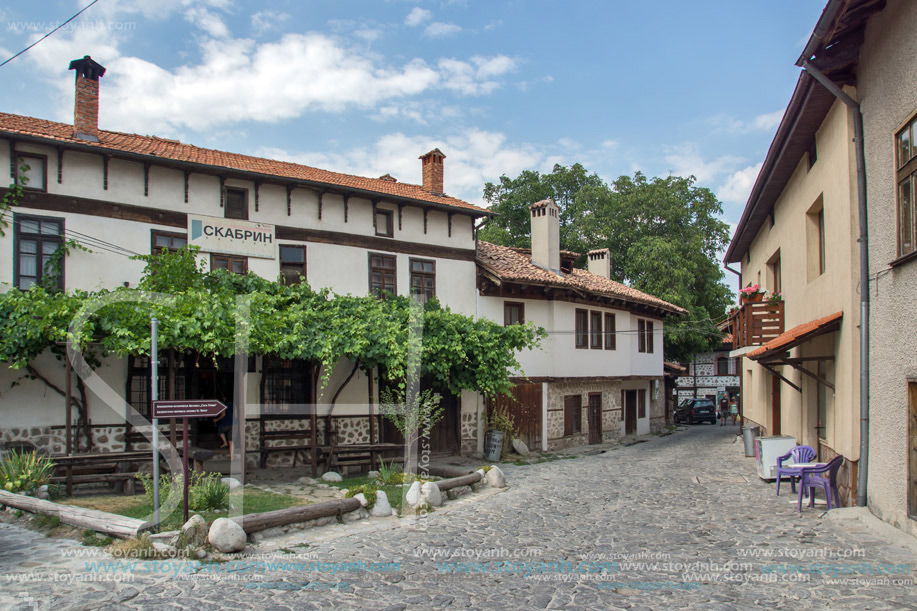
x=779 y=376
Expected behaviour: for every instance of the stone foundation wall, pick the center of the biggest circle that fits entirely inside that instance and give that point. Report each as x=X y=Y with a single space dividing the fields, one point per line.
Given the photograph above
x=469 y=432
x=612 y=412
x=54 y=440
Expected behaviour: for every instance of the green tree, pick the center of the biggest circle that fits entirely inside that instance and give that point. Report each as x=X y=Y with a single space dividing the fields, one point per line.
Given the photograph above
x=664 y=235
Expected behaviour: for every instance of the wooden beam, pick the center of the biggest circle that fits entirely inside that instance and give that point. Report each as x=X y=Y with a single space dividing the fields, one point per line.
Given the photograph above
x=222 y=189
x=105 y=160
x=99 y=521
x=455 y=482
x=187 y=173
x=146 y=179
x=321 y=196
x=814 y=376
x=425 y=210
x=346 y=206
x=256 y=522
x=779 y=376
x=257 y=194
x=60 y=164
x=400 y=206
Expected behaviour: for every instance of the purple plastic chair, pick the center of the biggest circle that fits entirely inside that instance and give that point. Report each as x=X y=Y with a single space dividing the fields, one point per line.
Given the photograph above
x=824 y=477
x=799 y=454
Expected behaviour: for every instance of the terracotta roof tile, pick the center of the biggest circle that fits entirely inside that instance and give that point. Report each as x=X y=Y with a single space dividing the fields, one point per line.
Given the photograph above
x=174 y=150
x=786 y=338
x=512 y=265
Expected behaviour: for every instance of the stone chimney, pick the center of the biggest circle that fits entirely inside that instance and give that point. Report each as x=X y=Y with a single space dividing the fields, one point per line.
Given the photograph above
x=432 y=164
x=546 y=235
x=86 y=107
x=600 y=262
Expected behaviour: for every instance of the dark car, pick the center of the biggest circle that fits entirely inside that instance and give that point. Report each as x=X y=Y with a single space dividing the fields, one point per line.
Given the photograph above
x=692 y=411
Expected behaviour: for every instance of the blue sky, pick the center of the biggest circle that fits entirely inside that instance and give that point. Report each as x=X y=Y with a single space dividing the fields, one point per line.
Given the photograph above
x=365 y=86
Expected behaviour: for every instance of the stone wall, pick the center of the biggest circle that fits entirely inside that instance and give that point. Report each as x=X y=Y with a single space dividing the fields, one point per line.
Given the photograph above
x=54 y=440
x=612 y=412
x=469 y=433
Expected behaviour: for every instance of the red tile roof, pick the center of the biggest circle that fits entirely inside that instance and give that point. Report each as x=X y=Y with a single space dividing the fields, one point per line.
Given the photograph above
x=511 y=265
x=173 y=150
x=798 y=335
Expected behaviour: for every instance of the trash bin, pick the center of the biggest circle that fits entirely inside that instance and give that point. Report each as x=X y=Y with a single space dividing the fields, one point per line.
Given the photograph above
x=493 y=445
x=749 y=434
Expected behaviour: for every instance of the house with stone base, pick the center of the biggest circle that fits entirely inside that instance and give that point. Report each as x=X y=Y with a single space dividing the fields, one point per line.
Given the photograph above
x=599 y=375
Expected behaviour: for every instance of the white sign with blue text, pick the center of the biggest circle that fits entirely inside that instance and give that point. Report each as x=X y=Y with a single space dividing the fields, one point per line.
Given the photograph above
x=232 y=236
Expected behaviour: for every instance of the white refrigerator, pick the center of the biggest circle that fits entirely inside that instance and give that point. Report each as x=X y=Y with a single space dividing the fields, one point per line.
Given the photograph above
x=768 y=450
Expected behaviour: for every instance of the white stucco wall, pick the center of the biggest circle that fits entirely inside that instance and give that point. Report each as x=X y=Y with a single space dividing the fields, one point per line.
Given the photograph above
x=887 y=85
x=558 y=355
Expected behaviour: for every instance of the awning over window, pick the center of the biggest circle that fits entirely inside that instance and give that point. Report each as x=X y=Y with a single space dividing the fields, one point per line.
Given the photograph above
x=799 y=334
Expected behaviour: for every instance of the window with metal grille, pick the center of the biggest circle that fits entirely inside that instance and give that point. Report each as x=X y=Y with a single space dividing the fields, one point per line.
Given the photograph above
x=286 y=382
x=382 y=274
x=292 y=263
x=36 y=239
x=423 y=279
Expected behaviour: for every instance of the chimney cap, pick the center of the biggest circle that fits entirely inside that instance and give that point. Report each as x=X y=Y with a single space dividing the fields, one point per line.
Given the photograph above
x=88 y=68
x=599 y=253
x=543 y=204
x=434 y=153
x=388 y=178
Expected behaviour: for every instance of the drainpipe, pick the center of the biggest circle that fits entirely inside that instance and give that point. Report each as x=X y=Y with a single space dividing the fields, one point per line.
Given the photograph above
x=864 y=269
x=737 y=273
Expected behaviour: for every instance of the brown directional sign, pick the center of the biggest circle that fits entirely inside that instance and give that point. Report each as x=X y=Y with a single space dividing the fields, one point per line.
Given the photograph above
x=188 y=409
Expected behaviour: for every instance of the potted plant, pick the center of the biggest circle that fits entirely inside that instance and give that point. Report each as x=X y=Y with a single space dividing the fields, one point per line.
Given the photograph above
x=752 y=293
x=775 y=297
x=500 y=431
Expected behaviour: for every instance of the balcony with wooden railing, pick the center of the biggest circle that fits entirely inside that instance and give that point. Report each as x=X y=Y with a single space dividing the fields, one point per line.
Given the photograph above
x=756 y=323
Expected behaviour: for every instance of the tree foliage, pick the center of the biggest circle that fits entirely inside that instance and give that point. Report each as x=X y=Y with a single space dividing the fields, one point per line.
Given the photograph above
x=202 y=311
x=664 y=235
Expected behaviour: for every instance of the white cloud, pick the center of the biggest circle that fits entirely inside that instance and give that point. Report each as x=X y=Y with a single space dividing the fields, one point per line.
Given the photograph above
x=368 y=34
x=264 y=21
x=686 y=160
x=474 y=77
x=493 y=24
x=438 y=29
x=737 y=187
x=768 y=121
x=472 y=158
x=417 y=16
x=763 y=122
x=208 y=21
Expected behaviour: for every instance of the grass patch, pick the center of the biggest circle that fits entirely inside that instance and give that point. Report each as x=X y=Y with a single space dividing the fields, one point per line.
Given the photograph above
x=91 y=538
x=254 y=501
x=542 y=458
x=394 y=492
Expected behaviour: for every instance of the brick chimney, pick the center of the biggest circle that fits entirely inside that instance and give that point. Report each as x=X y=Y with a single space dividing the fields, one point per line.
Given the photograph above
x=86 y=107
x=600 y=262
x=546 y=235
x=432 y=164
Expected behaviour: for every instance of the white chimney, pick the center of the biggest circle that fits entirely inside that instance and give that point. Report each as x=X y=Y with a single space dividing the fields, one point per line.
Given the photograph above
x=546 y=235
x=600 y=262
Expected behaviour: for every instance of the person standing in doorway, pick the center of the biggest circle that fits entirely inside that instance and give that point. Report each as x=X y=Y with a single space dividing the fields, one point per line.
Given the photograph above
x=734 y=409
x=224 y=424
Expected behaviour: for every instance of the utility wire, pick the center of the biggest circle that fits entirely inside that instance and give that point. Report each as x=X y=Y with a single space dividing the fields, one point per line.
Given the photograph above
x=49 y=33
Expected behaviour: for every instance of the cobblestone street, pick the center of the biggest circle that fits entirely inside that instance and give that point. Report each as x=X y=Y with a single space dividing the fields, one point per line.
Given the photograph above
x=680 y=521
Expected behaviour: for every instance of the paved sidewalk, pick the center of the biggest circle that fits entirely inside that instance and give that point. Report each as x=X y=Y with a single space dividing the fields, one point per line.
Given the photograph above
x=678 y=522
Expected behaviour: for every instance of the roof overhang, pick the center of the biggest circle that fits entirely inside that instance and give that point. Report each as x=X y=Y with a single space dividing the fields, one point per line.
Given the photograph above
x=215 y=170
x=776 y=349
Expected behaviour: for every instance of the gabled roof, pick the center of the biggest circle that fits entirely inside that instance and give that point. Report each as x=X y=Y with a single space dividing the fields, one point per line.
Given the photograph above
x=156 y=148
x=798 y=335
x=510 y=265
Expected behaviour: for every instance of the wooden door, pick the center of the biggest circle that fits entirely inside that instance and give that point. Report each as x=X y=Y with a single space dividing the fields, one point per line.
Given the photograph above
x=775 y=405
x=444 y=438
x=524 y=406
x=912 y=450
x=630 y=412
x=595 y=418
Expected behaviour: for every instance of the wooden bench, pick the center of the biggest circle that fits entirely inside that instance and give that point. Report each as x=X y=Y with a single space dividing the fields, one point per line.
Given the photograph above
x=111 y=467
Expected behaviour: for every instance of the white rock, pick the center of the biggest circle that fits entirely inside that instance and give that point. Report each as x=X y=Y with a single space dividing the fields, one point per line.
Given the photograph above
x=431 y=494
x=306 y=480
x=226 y=536
x=232 y=482
x=43 y=488
x=483 y=475
x=413 y=496
x=362 y=498
x=352 y=516
x=201 y=554
x=372 y=474
x=495 y=478
x=520 y=447
x=332 y=476
x=164 y=550
x=382 y=508
x=194 y=531
x=43 y=495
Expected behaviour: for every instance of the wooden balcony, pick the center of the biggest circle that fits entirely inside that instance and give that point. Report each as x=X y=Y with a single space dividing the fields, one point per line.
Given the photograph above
x=755 y=324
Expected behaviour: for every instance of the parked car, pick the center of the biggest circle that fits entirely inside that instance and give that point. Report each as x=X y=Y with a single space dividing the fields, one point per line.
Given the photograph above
x=692 y=411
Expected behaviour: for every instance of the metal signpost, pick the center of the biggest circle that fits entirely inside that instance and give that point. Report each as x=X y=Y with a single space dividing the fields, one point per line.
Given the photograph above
x=154 y=393
x=184 y=409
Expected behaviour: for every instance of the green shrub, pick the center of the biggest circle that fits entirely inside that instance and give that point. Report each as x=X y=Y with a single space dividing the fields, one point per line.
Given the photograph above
x=25 y=471
x=389 y=474
x=368 y=490
x=205 y=490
